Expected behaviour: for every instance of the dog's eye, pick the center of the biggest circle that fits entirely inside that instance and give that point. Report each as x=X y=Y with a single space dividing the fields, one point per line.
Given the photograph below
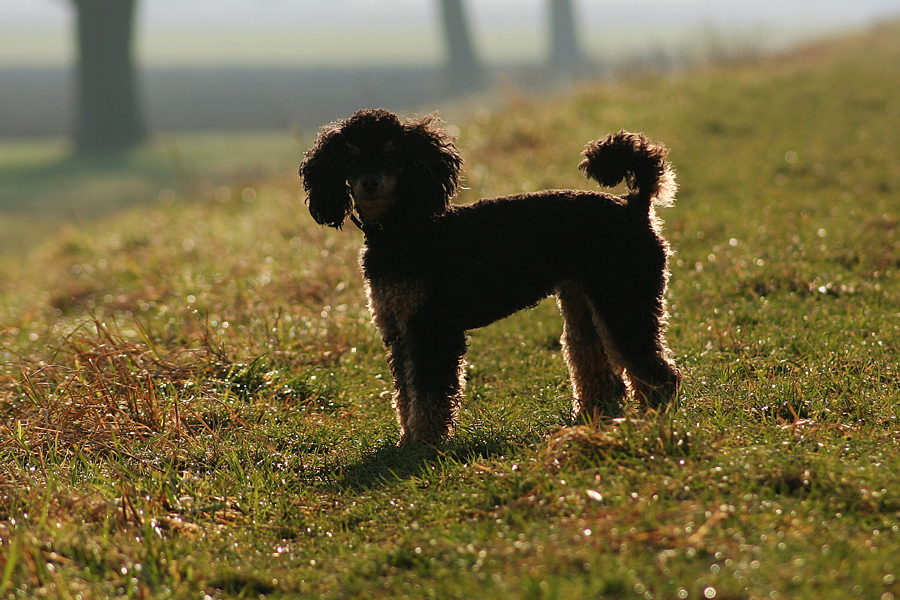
x=392 y=164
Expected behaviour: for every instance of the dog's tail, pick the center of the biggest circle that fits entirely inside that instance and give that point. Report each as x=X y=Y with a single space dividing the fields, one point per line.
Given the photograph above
x=640 y=162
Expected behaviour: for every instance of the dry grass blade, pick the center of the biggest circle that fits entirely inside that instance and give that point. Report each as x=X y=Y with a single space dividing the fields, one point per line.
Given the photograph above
x=104 y=391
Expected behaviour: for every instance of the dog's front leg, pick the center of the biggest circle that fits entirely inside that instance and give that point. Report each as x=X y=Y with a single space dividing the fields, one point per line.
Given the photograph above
x=428 y=367
x=401 y=369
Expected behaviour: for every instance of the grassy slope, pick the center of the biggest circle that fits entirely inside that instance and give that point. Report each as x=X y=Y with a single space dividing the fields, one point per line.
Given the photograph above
x=195 y=401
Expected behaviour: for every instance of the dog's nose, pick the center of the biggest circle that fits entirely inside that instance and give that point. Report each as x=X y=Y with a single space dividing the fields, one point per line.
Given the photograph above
x=369 y=183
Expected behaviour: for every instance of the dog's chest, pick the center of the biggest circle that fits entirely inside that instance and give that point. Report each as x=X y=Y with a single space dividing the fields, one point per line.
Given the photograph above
x=392 y=302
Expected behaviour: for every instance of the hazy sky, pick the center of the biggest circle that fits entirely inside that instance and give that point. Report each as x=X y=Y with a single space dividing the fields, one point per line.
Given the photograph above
x=291 y=32
x=166 y=12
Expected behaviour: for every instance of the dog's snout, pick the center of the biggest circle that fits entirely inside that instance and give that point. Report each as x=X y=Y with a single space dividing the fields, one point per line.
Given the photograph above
x=369 y=183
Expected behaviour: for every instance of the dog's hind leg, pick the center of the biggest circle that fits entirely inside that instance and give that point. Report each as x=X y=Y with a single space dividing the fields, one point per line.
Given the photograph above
x=653 y=375
x=636 y=331
x=597 y=384
x=431 y=385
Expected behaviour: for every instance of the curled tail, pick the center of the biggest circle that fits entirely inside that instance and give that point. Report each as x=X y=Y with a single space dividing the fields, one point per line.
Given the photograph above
x=640 y=162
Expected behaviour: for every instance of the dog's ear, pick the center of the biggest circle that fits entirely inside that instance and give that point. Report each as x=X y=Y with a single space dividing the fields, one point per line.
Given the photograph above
x=436 y=161
x=324 y=180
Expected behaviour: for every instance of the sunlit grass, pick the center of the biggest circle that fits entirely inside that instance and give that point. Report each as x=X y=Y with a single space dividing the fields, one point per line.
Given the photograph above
x=194 y=401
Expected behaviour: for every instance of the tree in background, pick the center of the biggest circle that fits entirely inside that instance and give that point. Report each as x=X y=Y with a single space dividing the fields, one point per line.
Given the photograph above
x=565 y=52
x=465 y=71
x=108 y=113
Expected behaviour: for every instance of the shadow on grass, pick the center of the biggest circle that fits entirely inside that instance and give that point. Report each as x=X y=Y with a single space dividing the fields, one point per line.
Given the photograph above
x=44 y=185
x=390 y=463
x=64 y=178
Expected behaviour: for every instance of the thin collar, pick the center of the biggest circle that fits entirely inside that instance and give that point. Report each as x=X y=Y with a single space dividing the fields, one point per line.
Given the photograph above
x=366 y=229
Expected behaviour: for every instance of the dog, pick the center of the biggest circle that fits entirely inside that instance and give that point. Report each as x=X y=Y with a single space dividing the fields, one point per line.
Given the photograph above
x=434 y=270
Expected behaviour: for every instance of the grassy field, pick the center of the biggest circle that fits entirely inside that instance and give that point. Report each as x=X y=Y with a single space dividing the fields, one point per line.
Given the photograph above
x=193 y=400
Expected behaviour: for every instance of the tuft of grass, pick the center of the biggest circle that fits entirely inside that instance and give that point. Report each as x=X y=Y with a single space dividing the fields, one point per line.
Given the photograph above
x=193 y=401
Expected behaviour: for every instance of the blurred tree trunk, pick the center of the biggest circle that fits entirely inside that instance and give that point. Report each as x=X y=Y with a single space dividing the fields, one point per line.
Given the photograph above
x=565 y=52
x=108 y=113
x=465 y=72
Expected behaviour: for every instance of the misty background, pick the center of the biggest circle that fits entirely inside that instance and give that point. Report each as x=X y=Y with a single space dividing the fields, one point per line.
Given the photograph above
x=279 y=64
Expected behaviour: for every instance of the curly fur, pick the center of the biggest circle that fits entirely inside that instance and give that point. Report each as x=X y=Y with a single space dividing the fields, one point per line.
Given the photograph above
x=415 y=146
x=435 y=270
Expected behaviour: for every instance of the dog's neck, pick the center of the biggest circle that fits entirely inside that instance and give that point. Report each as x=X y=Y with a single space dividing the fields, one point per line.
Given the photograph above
x=399 y=226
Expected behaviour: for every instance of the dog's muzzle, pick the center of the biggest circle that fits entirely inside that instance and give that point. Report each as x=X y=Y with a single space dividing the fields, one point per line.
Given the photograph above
x=373 y=194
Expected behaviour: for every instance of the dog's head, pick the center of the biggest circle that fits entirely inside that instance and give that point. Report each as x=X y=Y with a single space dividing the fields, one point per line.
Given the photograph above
x=381 y=166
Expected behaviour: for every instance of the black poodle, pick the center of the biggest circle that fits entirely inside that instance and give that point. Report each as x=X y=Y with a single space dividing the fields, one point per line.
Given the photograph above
x=434 y=270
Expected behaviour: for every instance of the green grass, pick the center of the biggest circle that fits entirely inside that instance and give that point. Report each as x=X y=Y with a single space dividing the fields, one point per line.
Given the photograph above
x=194 y=401
x=46 y=187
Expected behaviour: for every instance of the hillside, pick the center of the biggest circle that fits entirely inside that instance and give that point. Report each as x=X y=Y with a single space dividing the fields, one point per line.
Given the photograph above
x=195 y=402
